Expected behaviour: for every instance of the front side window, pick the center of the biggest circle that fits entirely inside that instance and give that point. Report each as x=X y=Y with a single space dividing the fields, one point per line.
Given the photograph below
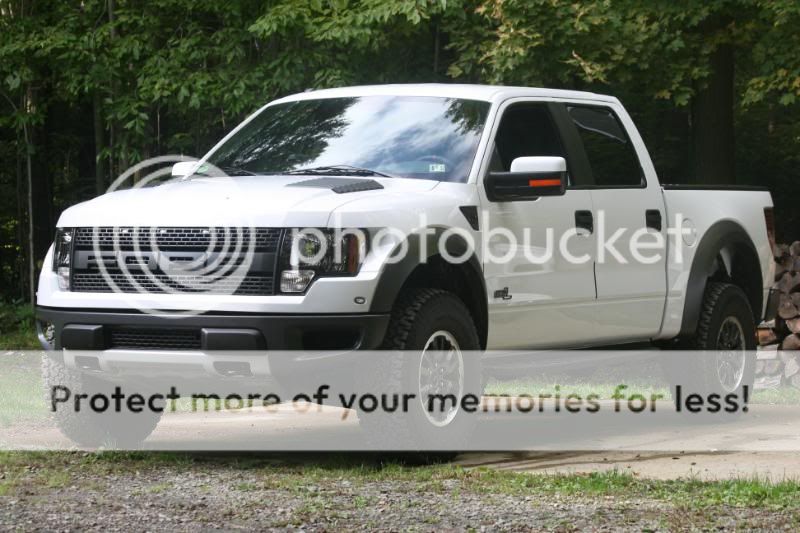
x=526 y=130
x=411 y=137
x=610 y=152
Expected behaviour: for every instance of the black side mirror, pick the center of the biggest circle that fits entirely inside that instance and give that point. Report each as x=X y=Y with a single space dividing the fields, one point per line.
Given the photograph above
x=530 y=178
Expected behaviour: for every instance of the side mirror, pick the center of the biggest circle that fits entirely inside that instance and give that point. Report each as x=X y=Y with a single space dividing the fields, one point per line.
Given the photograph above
x=530 y=178
x=183 y=168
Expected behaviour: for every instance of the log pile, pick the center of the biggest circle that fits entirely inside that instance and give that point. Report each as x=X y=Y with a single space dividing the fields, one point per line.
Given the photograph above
x=779 y=340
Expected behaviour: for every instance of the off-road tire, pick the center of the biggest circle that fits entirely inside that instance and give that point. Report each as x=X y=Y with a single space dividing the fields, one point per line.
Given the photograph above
x=87 y=428
x=698 y=373
x=418 y=314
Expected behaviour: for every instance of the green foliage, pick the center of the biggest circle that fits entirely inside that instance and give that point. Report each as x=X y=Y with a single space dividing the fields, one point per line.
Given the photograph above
x=171 y=76
x=203 y=65
x=17 y=330
x=16 y=315
x=775 y=62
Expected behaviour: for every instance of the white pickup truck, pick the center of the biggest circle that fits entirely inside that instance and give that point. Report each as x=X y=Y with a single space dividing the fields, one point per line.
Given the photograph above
x=477 y=218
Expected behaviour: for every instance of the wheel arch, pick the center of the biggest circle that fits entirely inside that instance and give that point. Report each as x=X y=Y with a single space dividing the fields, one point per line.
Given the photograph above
x=464 y=279
x=725 y=253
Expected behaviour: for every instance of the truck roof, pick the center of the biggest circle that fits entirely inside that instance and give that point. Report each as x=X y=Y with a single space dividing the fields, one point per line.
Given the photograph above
x=488 y=93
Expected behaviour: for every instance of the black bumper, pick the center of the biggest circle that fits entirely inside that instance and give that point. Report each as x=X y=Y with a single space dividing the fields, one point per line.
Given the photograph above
x=101 y=330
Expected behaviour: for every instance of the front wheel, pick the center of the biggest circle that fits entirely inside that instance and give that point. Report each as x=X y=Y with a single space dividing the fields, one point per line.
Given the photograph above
x=434 y=356
x=87 y=428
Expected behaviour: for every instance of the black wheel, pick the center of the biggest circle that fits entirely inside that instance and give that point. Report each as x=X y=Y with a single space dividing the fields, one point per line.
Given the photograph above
x=89 y=428
x=439 y=342
x=727 y=330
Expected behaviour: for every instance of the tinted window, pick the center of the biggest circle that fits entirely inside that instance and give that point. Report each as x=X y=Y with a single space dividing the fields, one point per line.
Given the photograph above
x=412 y=137
x=611 y=155
x=525 y=131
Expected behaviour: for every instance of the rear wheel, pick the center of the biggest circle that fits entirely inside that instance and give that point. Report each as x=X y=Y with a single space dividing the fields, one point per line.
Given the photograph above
x=727 y=331
x=439 y=341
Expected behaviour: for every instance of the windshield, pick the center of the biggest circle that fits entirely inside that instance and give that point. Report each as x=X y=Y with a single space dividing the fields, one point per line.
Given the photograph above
x=410 y=137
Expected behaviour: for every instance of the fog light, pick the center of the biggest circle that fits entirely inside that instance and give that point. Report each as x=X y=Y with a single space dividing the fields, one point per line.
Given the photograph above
x=63 y=278
x=46 y=331
x=296 y=280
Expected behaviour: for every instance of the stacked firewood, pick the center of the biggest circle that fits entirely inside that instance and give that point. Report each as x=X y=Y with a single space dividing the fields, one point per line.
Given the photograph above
x=779 y=340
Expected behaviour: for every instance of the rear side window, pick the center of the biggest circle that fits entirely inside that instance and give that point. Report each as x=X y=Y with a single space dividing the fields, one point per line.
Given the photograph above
x=611 y=155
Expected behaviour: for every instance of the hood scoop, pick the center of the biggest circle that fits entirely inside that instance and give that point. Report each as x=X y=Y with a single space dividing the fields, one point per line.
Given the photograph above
x=339 y=185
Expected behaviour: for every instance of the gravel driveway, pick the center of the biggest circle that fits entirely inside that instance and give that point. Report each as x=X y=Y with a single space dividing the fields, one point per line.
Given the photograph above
x=212 y=494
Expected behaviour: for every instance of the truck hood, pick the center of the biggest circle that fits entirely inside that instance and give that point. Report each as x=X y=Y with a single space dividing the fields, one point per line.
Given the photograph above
x=258 y=201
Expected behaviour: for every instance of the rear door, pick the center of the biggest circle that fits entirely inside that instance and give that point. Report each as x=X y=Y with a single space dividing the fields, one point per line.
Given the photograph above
x=628 y=209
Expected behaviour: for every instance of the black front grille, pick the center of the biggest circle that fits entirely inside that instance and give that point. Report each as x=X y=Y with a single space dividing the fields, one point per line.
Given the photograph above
x=174 y=238
x=164 y=284
x=133 y=338
x=211 y=253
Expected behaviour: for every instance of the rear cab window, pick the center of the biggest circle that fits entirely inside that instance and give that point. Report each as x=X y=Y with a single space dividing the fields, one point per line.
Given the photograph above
x=609 y=150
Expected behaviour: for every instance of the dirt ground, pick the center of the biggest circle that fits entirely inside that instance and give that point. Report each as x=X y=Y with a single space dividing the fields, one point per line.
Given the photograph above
x=762 y=447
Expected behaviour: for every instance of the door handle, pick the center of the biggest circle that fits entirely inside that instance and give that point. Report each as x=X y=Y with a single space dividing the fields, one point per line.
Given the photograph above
x=584 y=220
x=652 y=217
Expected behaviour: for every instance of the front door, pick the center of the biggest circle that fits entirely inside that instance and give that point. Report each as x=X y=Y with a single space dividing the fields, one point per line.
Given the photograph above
x=538 y=296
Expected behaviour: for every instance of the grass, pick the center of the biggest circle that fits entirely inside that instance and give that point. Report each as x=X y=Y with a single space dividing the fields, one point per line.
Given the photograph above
x=17 y=330
x=604 y=390
x=22 y=390
x=43 y=472
x=19 y=339
x=781 y=396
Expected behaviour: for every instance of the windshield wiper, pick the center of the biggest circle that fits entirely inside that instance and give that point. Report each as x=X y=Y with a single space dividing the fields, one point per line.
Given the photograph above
x=336 y=170
x=236 y=171
x=229 y=171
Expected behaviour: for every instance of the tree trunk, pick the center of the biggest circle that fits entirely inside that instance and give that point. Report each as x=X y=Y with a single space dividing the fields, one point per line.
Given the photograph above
x=712 y=122
x=19 y=266
x=29 y=173
x=44 y=150
x=113 y=163
x=99 y=145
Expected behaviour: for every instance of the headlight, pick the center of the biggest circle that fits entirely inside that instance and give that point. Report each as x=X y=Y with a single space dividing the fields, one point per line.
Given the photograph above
x=62 y=255
x=310 y=253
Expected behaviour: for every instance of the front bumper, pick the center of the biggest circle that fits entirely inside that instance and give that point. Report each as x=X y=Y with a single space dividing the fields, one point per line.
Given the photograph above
x=241 y=346
x=91 y=330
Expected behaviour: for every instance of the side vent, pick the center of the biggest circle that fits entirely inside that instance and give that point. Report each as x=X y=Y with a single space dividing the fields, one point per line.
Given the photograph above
x=470 y=212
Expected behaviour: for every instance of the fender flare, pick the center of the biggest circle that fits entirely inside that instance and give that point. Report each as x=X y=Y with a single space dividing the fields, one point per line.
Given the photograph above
x=722 y=236
x=394 y=276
